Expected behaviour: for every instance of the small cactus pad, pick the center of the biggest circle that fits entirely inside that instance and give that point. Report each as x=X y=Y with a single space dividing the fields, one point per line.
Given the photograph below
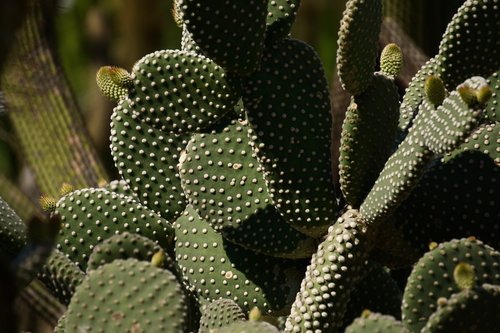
x=128 y=296
x=224 y=182
x=391 y=60
x=114 y=82
x=220 y=313
x=280 y=17
x=90 y=216
x=432 y=277
x=248 y=327
x=182 y=91
x=231 y=32
x=447 y=126
x=330 y=278
x=377 y=292
x=187 y=42
x=376 y=323
x=472 y=310
x=215 y=268
x=124 y=246
x=13 y=233
x=470 y=45
x=358 y=44
x=288 y=109
x=61 y=276
x=415 y=93
x=146 y=157
x=368 y=133
x=435 y=90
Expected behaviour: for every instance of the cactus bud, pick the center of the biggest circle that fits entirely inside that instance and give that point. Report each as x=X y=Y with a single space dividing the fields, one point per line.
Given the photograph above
x=113 y=82
x=435 y=90
x=464 y=275
x=391 y=60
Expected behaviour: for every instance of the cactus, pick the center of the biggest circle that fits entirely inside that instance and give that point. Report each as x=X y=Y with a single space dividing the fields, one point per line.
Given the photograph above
x=226 y=203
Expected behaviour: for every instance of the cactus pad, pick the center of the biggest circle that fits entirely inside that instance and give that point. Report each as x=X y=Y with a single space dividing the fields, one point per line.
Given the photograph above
x=124 y=246
x=280 y=17
x=330 y=278
x=224 y=182
x=472 y=310
x=118 y=187
x=215 y=268
x=182 y=91
x=146 y=158
x=493 y=105
x=220 y=313
x=358 y=44
x=248 y=327
x=61 y=276
x=288 y=109
x=470 y=45
x=13 y=233
x=372 y=114
x=127 y=296
x=432 y=277
x=90 y=216
x=231 y=32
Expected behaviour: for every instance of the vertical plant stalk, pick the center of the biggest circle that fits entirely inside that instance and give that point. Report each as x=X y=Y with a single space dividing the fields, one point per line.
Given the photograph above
x=44 y=112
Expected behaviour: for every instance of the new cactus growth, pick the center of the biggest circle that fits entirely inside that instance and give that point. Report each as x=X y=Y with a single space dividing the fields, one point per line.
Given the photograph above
x=226 y=204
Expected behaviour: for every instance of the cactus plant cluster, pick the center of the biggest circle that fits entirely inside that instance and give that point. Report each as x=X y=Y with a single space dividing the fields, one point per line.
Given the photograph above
x=226 y=218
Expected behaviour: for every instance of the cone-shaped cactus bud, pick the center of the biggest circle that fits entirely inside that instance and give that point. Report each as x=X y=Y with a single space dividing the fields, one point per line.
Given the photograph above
x=468 y=94
x=483 y=94
x=432 y=245
x=113 y=82
x=47 y=203
x=435 y=90
x=255 y=314
x=158 y=259
x=464 y=275
x=391 y=60
x=66 y=188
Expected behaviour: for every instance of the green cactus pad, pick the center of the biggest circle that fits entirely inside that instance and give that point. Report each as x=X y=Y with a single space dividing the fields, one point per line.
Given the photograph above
x=128 y=296
x=391 y=60
x=59 y=328
x=330 y=278
x=13 y=232
x=146 y=157
x=368 y=133
x=230 y=32
x=449 y=124
x=377 y=292
x=484 y=139
x=472 y=310
x=124 y=246
x=61 y=276
x=376 y=323
x=280 y=18
x=470 y=44
x=358 y=44
x=415 y=93
x=453 y=199
x=224 y=182
x=493 y=106
x=90 y=216
x=220 y=313
x=248 y=327
x=432 y=277
x=288 y=109
x=180 y=91
x=114 y=82
x=119 y=187
x=215 y=268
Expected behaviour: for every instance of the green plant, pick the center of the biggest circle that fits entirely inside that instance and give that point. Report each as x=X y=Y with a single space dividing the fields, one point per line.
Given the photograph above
x=224 y=152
